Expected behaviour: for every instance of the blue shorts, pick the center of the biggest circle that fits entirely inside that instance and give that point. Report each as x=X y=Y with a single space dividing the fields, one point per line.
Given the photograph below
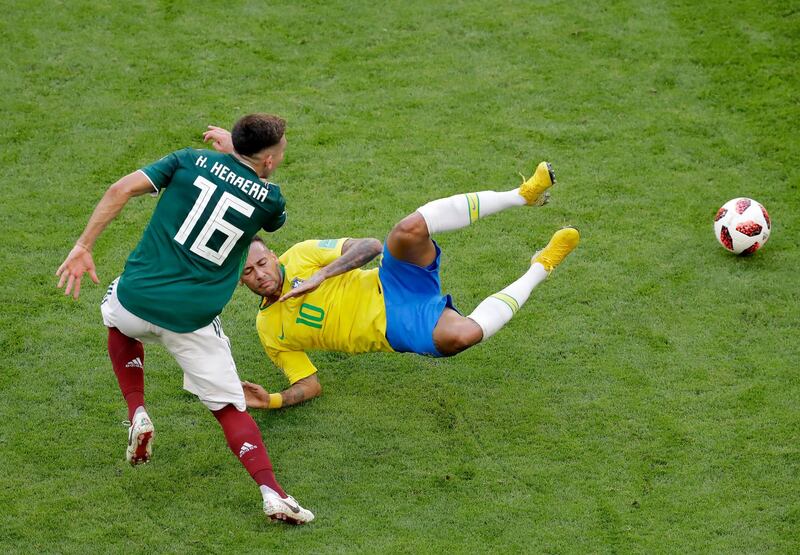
x=414 y=303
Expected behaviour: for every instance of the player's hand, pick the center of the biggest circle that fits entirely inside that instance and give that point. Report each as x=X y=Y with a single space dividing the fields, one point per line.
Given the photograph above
x=304 y=288
x=78 y=262
x=255 y=396
x=220 y=139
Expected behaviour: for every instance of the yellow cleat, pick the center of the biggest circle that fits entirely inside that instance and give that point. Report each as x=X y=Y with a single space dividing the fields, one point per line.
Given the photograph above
x=534 y=190
x=561 y=244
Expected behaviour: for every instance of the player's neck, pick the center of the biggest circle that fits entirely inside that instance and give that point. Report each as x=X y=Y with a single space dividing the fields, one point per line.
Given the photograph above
x=250 y=162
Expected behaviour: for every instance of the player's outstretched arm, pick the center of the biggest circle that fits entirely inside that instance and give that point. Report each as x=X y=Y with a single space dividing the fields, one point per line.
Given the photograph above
x=302 y=390
x=220 y=139
x=79 y=260
x=355 y=253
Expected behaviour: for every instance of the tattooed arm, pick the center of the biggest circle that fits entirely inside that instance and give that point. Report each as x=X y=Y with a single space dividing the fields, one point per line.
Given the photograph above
x=355 y=253
x=302 y=390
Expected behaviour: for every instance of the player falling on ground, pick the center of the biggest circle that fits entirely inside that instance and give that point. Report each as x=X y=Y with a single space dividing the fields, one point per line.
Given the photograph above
x=315 y=298
x=182 y=274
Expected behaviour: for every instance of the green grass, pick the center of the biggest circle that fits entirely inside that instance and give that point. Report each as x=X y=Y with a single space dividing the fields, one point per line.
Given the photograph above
x=645 y=400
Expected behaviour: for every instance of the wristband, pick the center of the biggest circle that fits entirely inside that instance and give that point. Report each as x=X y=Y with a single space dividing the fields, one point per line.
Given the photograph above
x=275 y=401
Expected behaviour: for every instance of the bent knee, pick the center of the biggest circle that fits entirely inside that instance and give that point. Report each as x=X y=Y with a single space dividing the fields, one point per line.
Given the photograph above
x=412 y=226
x=458 y=337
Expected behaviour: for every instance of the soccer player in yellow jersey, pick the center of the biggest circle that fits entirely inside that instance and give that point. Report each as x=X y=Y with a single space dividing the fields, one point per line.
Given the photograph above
x=315 y=297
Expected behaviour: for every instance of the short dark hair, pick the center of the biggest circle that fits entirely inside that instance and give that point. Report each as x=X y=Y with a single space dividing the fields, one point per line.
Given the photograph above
x=258 y=239
x=255 y=132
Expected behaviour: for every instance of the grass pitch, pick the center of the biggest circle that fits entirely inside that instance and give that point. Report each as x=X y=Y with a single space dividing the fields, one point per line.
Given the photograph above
x=646 y=398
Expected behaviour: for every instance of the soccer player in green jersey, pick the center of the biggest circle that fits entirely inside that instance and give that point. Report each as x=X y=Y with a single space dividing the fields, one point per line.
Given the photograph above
x=181 y=275
x=315 y=297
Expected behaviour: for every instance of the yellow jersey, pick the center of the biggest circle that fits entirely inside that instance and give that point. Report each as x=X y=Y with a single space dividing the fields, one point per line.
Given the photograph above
x=345 y=313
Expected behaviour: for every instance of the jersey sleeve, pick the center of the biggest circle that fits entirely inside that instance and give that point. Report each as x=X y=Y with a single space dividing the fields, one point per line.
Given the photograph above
x=319 y=253
x=278 y=216
x=295 y=364
x=160 y=173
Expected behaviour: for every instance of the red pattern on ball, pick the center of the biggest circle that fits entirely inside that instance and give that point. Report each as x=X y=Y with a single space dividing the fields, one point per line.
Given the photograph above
x=749 y=228
x=742 y=204
x=752 y=248
x=766 y=217
x=725 y=238
x=720 y=214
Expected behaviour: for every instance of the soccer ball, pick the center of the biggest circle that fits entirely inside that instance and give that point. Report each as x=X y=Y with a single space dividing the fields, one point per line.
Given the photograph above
x=742 y=225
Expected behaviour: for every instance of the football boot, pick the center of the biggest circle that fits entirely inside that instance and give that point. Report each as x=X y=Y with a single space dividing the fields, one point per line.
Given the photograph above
x=561 y=244
x=534 y=190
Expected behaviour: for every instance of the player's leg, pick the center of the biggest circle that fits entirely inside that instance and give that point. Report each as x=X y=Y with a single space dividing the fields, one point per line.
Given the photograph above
x=245 y=441
x=454 y=333
x=210 y=373
x=495 y=311
x=127 y=358
x=410 y=239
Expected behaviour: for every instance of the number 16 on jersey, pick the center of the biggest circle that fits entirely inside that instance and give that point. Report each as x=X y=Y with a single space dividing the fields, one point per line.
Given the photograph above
x=215 y=222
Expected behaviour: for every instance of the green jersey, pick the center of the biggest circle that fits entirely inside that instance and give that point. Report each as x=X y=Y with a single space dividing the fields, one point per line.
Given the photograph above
x=186 y=266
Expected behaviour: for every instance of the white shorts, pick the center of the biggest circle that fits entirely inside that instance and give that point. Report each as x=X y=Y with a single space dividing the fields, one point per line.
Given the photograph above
x=204 y=355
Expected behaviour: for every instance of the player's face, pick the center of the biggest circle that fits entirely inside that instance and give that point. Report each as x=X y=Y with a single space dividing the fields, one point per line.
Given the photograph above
x=274 y=156
x=262 y=273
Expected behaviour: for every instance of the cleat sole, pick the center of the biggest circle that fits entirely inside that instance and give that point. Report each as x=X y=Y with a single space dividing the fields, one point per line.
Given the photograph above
x=551 y=173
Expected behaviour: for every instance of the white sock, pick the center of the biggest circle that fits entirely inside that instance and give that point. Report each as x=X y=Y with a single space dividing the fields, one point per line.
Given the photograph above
x=495 y=311
x=447 y=214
